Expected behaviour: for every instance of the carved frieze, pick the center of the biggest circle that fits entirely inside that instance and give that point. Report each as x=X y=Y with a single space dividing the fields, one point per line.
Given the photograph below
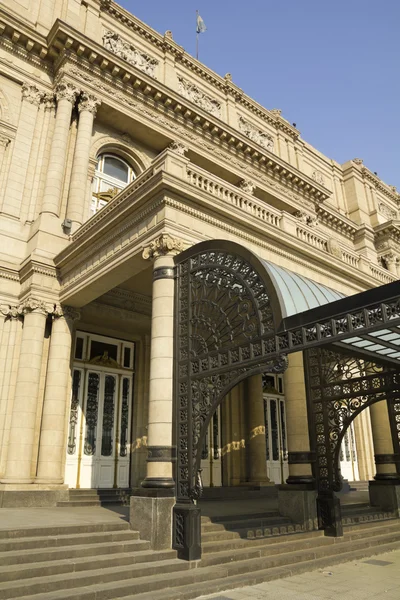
x=307 y=219
x=386 y=211
x=197 y=96
x=318 y=177
x=125 y=50
x=256 y=135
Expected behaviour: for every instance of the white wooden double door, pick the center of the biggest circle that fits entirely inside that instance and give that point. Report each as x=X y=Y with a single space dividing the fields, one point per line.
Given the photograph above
x=98 y=448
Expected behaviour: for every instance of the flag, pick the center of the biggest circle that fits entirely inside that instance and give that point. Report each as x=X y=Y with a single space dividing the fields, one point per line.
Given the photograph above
x=200 y=25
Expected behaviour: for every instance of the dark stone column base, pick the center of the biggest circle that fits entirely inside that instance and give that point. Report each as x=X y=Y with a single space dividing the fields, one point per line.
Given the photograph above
x=158 y=482
x=151 y=514
x=187 y=531
x=385 y=494
x=390 y=477
x=298 y=503
x=301 y=480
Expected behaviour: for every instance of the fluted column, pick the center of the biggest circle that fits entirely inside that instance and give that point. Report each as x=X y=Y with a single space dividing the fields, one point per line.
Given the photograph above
x=66 y=95
x=22 y=433
x=77 y=191
x=383 y=445
x=257 y=454
x=297 y=422
x=159 y=440
x=52 y=432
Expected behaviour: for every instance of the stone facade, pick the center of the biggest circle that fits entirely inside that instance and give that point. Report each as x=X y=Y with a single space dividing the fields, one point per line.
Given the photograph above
x=204 y=161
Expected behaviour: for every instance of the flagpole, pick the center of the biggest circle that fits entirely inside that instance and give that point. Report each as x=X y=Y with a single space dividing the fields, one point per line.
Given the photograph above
x=197 y=37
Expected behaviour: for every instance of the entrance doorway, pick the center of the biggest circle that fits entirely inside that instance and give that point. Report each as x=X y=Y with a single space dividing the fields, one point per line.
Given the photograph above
x=276 y=438
x=211 y=453
x=98 y=445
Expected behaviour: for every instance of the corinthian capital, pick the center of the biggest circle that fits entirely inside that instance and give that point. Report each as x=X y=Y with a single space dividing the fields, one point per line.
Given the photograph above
x=163 y=245
x=67 y=312
x=4 y=140
x=11 y=312
x=31 y=94
x=89 y=102
x=66 y=91
x=33 y=304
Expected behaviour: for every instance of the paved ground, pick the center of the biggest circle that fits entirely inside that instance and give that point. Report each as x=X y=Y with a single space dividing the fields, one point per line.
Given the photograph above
x=372 y=578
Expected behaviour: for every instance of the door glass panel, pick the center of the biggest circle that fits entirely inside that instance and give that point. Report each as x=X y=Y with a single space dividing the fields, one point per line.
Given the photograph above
x=283 y=431
x=73 y=417
x=124 y=417
x=101 y=349
x=215 y=436
x=116 y=168
x=274 y=431
x=92 y=409
x=108 y=416
x=204 y=451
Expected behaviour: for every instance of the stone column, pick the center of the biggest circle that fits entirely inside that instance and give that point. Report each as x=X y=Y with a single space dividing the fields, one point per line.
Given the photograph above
x=391 y=261
x=52 y=432
x=298 y=501
x=21 y=150
x=66 y=95
x=257 y=453
x=159 y=436
x=151 y=508
x=383 y=445
x=77 y=190
x=297 y=422
x=22 y=433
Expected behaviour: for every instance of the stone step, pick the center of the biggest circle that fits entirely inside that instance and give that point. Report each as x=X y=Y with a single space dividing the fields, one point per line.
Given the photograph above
x=40 y=542
x=234 y=544
x=242 y=517
x=26 y=557
x=105 y=577
x=64 y=530
x=370 y=525
x=249 y=523
x=191 y=591
x=52 y=566
x=72 y=503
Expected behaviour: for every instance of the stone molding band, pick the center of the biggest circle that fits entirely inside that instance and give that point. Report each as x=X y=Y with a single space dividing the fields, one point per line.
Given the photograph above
x=386 y=459
x=161 y=454
x=163 y=273
x=158 y=482
x=301 y=458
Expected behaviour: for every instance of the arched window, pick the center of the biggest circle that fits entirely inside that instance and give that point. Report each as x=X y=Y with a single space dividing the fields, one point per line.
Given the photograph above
x=112 y=175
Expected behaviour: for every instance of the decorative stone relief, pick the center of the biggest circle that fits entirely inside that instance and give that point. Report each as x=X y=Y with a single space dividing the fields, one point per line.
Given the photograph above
x=307 y=219
x=358 y=161
x=276 y=111
x=247 y=186
x=318 y=177
x=168 y=34
x=178 y=148
x=386 y=211
x=66 y=91
x=164 y=244
x=33 y=304
x=10 y=312
x=256 y=135
x=88 y=102
x=125 y=50
x=197 y=96
x=4 y=140
x=31 y=94
x=334 y=248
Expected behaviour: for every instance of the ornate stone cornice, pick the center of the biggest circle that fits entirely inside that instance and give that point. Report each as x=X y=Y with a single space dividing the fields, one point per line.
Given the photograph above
x=89 y=103
x=66 y=91
x=32 y=94
x=21 y=40
x=163 y=245
x=389 y=230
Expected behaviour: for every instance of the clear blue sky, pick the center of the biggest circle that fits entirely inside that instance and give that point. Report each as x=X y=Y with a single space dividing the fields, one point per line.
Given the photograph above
x=332 y=67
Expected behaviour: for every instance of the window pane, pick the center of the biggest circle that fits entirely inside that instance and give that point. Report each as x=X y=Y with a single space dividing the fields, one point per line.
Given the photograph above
x=115 y=168
x=108 y=416
x=79 y=348
x=127 y=357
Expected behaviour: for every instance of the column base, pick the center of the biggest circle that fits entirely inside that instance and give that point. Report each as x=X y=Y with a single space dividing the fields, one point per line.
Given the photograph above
x=49 y=481
x=16 y=481
x=187 y=531
x=150 y=513
x=301 y=480
x=158 y=482
x=299 y=503
x=391 y=477
x=385 y=494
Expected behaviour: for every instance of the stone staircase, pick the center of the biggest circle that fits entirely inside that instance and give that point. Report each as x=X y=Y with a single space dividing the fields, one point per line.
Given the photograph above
x=96 y=497
x=109 y=562
x=359 y=486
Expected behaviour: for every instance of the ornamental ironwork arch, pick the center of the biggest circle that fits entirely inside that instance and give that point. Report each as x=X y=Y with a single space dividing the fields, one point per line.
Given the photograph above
x=226 y=315
x=339 y=387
